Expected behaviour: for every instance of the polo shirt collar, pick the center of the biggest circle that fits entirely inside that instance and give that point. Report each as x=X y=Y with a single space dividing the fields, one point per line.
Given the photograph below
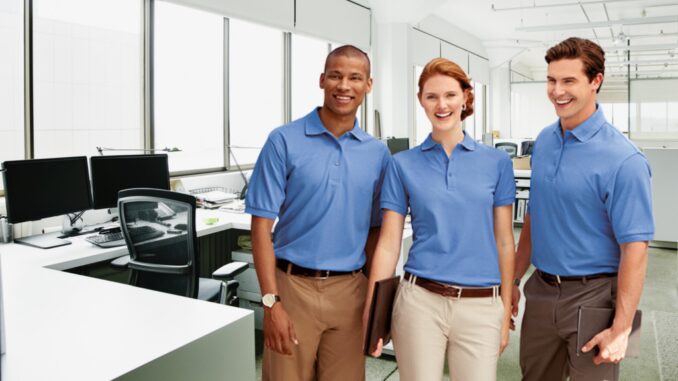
x=468 y=143
x=314 y=126
x=588 y=128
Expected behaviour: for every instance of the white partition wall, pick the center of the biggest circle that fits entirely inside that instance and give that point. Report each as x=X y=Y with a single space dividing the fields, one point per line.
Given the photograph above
x=531 y=109
x=278 y=13
x=454 y=54
x=346 y=22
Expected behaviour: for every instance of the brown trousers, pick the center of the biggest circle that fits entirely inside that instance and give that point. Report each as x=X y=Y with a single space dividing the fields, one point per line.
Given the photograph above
x=548 y=336
x=327 y=318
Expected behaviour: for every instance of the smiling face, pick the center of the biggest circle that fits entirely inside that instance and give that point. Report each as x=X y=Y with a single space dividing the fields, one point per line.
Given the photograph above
x=345 y=82
x=442 y=99
x=571 y=92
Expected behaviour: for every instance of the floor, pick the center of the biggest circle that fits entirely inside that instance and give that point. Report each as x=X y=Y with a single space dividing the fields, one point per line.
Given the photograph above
x=659 y=338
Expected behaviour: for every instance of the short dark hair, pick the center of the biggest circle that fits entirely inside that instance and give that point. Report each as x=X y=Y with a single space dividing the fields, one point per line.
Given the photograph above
x=590 y=53
x=349 y=51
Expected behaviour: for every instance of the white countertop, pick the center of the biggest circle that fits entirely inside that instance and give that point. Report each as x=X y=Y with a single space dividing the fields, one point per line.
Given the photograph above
x=63 y=326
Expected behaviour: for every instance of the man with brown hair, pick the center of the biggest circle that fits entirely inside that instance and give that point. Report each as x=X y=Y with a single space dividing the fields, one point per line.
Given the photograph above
x=589 y=221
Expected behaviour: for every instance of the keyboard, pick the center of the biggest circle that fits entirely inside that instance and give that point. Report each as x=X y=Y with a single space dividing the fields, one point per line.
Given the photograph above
x=115 y=238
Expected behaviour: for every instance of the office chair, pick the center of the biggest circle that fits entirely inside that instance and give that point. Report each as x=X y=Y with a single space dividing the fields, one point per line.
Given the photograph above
x=510 y=148
x=165 y=258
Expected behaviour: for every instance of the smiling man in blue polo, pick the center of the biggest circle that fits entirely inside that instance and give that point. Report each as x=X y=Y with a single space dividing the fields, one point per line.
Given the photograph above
x=589 y=222
x=320 y=176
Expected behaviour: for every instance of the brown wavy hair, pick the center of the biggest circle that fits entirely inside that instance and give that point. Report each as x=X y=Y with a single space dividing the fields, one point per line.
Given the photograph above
x=590 y=54
x=446 y=67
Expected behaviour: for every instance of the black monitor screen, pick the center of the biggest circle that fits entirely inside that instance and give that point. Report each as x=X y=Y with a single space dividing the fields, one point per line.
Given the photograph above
x=396 y=145
x=111 y=174
x=41 y=188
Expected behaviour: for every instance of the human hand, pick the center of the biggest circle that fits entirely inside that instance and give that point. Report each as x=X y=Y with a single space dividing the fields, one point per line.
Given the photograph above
x=380 y=345
x=278 y=330
x=515 y=299
x=508 y=323
x=612 y=344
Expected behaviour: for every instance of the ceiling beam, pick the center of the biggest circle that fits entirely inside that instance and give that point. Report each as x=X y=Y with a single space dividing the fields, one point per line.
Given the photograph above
x=599 y=24
x=560 y=5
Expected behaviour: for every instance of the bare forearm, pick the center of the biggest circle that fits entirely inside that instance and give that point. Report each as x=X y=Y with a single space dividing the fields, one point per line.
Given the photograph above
x=630 y=280
x=370 y=247
x=503 y=231
x=264 y=255
x=387 y=250
x=524 y=252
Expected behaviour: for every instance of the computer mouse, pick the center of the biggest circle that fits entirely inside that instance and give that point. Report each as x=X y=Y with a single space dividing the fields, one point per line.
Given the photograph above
x=181 y=227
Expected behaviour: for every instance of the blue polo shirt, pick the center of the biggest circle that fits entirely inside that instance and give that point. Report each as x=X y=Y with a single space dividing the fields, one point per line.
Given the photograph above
x=323 y=190
x=589 y=192
x=452 y=201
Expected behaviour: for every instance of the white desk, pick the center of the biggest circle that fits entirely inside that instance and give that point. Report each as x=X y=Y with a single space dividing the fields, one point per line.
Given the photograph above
x=62 y=326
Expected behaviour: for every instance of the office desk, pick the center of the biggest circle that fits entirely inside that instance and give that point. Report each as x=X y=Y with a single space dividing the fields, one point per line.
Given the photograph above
x=62 y=326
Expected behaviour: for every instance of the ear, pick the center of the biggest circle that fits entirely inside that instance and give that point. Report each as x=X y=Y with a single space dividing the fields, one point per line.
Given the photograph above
x=419 y=98
x=322 y=81
x=597 y=80
x=369 y=85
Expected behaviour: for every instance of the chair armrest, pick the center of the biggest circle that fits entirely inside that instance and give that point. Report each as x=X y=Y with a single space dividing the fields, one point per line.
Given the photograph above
x=229 y=270
x=121 y=262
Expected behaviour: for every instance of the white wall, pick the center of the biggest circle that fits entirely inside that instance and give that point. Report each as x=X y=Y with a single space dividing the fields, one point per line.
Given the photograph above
x=397 y=48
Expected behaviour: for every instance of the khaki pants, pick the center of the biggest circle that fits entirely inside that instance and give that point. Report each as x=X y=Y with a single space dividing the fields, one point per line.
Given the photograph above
x=548 y=335
x=426 y=325
x=327 y=318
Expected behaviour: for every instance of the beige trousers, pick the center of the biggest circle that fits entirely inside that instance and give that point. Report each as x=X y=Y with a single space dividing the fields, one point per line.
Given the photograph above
x=426 y=325
x=327 y=318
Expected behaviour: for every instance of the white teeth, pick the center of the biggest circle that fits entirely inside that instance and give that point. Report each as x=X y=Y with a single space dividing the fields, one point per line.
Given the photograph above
x=562 y=102
x=343 y=98
x=444 y=115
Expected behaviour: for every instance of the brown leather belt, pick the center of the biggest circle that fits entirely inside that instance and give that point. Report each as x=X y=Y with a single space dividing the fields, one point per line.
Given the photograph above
x=292 y=269
x=453 y=291
x=558 y=279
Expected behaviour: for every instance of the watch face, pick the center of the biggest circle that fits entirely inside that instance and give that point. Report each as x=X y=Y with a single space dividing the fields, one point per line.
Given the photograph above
x=268 y=300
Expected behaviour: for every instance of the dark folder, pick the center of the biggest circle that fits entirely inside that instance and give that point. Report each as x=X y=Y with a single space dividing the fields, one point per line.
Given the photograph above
x=379 y=323
x=592 y=320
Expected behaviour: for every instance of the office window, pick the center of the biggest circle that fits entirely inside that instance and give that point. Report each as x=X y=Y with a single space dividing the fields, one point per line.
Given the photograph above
x=617 y=114
x=189 y=86
x=255 y=87
x=308 y=62
x=11 y=82
x=653 y=103
x=87 y=76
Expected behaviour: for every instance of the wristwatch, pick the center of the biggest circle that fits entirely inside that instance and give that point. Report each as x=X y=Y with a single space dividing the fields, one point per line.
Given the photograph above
x=269 y=300
x=516 y=282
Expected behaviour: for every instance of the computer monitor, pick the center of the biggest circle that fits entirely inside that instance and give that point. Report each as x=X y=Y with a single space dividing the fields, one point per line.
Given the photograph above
x=41 y=188
x=111 y=174
x=396 y=145
x=526 y=147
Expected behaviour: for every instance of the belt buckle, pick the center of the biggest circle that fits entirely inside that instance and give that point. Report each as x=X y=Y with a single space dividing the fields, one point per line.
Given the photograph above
x=558 y=279
x=327 y=274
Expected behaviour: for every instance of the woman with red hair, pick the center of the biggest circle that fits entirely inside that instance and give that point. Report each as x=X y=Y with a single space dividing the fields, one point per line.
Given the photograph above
x=456 y=292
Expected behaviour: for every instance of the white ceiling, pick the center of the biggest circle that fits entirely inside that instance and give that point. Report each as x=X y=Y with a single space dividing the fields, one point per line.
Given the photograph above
x=497 y=24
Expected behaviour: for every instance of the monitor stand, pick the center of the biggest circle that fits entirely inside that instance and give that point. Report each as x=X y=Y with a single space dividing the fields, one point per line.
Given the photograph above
x=43 y=241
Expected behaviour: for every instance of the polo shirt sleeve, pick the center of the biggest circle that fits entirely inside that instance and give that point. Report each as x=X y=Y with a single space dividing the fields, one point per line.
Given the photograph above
x=393 y=194
x=375 y=218
x=267 y=185
x=629 y=201
x=505 y=190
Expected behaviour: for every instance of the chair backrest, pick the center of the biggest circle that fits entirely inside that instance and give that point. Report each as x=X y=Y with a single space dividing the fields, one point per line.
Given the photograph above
x=508 y=147
x=163 y=253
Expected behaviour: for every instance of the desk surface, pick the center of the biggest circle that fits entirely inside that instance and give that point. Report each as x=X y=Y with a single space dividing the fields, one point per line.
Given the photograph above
x=63 y=326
